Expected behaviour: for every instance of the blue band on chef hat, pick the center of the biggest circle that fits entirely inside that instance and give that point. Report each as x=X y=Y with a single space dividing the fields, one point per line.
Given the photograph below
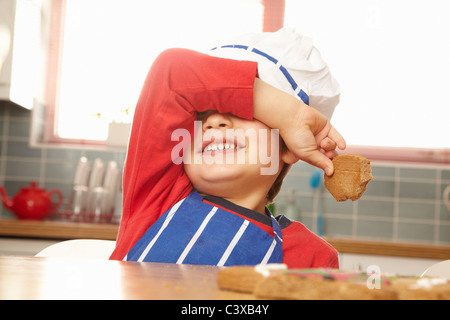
x=301 y=94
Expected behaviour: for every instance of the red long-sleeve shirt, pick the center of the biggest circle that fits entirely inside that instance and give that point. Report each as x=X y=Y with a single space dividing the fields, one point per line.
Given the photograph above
x=180 y=83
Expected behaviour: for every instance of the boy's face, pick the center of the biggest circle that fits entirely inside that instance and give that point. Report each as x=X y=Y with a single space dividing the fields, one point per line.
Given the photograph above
x=231 y=155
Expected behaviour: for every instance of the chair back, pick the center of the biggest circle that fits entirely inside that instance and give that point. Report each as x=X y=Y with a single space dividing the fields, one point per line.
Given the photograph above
x=79 y=248
x=440 y=269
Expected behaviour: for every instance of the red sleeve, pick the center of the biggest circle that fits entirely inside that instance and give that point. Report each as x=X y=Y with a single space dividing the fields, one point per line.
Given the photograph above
x=304 y=249
x=179 y=83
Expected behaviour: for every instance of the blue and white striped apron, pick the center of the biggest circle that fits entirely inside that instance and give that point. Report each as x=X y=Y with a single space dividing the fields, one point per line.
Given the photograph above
x=195 y=232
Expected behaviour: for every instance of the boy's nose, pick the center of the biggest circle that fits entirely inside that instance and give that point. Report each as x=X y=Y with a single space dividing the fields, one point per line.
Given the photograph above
x=216 y=120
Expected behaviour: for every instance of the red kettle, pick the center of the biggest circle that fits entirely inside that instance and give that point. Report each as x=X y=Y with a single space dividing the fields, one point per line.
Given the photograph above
x=31 y=202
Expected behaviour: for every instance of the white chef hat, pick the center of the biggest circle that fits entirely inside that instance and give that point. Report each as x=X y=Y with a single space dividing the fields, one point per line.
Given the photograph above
x=288 y=61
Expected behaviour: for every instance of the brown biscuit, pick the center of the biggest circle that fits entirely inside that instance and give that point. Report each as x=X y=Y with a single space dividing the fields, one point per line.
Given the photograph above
x=408 y=289
x=238 y=278
x=329 y=284
x=351 y=175
x=298 y=288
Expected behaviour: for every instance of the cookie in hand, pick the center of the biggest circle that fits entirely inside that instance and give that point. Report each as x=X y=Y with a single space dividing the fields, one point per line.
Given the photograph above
x=351 y=175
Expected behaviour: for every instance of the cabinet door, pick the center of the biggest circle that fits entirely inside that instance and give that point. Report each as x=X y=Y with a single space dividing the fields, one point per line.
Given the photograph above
x=386 y=264
x=23 y=247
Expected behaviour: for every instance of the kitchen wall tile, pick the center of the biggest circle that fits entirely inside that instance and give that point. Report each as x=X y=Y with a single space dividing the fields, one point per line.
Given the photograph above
x=445 y=175
x=330 y=205
x=308 y=222
x=299 y=183
x=302 y=205
x=60 y=171
x=305 y=203
x=63 y=154
x=418 y=173
x=292 y=212
x=22 y=170
x=375 y=208
x=444 y=234
x=14 y=111
x=416 y=210
x=444 y=214
x=64 y=187
x=384 y=172
x=373 y=229
x=442 y=189
x=6 y=214
x=22 y=149
x=18 y=128
x=106 y=156
x=337 y=227
x=423 y=231
x=417 y=190
x=3 y=106
x=380 y=188
x=303 y=168
x=12 y=187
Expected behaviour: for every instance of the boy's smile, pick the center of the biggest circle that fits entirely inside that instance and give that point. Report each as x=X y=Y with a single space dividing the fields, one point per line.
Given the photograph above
x=229 y=158
x=221 y=146
x=229 y=140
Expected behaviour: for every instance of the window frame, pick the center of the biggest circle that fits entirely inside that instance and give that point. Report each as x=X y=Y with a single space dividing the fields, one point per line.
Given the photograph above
x=272 y=20
x=57 y=10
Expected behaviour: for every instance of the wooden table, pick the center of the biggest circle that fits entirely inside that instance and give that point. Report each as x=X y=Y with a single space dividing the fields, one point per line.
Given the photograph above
x=51 y=278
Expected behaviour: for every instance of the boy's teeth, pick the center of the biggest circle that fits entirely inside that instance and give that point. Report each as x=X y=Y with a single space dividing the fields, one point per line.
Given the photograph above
x=214 y=147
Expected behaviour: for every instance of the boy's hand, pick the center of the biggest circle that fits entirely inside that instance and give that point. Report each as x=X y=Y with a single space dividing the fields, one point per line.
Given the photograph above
x=307 y=133
x=310 y=137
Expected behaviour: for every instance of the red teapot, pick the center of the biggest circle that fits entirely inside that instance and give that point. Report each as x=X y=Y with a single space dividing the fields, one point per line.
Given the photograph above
x=31 y=202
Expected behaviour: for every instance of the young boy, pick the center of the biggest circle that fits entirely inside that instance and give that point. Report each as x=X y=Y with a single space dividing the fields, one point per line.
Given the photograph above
x=191 y=200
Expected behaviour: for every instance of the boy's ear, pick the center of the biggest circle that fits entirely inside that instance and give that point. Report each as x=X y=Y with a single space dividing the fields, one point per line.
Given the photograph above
x=288 y=157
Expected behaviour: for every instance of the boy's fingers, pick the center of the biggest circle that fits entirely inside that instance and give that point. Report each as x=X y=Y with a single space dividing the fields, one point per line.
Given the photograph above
x=320 y=160
x=337 y=138
x=330 y=154
x=327 y=144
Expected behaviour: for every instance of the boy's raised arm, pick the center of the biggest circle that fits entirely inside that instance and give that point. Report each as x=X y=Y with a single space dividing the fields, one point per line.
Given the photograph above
x=180 y=83
x=307 y=133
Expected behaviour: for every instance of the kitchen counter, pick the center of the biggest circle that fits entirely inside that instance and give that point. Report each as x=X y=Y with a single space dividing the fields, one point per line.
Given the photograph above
x=57 y=230
x=70 y=230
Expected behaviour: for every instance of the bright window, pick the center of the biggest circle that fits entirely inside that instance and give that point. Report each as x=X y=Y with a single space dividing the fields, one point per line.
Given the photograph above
x=392 y=60
x=109 y=45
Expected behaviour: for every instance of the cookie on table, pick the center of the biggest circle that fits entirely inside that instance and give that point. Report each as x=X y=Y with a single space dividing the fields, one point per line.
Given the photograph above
x=277 y=282
x=245 y=278
x=322 y=284
x=426 y=288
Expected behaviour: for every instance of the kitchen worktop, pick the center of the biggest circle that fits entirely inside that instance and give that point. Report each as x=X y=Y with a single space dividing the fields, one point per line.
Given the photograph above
x=57 y=230
x=70 y=230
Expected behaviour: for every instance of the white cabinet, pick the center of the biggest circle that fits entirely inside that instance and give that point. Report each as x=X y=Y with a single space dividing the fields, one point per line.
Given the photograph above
x=386 y=264
x=20 y=24
x=23 y=247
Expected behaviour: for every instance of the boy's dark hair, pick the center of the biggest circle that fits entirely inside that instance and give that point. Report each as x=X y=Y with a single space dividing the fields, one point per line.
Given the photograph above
x=275 y=189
